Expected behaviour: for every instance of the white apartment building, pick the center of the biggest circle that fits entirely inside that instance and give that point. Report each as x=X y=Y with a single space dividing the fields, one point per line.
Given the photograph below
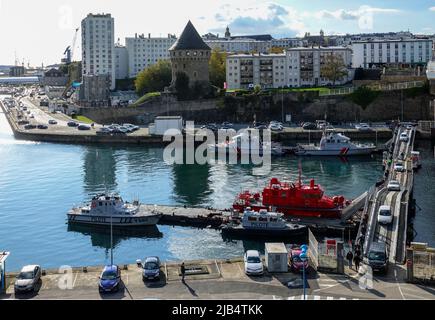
x=239 y=45
x=98 y=46
x=121 y=62
x=297 y=67
x=375 y=53
x=146 y=51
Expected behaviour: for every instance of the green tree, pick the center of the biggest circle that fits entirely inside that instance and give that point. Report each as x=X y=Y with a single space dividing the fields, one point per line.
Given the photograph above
x=217 y=67
x=182 y=86
x=363 y=96
x=334 y=68
x=154 y=78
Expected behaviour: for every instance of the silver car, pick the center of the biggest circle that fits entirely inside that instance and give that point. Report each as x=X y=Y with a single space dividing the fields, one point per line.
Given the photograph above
x=27 y=279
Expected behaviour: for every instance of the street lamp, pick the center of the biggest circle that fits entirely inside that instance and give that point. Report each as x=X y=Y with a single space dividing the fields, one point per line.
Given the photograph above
x=304 y=257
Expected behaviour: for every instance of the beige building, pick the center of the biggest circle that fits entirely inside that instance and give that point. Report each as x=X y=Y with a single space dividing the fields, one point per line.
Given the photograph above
x=297 y=67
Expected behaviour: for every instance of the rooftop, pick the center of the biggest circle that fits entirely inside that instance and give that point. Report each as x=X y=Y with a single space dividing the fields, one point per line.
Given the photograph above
x=190 y=40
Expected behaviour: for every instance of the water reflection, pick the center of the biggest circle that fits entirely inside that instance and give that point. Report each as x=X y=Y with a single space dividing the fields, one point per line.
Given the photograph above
x=191 y=183
x=99 y=167
x=100 y=236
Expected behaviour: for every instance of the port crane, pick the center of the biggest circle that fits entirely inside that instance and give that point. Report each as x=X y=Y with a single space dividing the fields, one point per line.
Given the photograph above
x=69 y=51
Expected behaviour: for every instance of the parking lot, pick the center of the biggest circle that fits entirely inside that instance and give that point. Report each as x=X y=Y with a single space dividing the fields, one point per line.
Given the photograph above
x=221 y=280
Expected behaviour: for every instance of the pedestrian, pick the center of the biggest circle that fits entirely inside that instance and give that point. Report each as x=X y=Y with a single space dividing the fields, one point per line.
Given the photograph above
x=183 y=271
x=357 y=261
x=349 y=257
x=358 y=250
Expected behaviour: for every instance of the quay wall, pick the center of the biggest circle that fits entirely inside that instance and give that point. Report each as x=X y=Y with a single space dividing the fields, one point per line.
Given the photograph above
x=302 y=106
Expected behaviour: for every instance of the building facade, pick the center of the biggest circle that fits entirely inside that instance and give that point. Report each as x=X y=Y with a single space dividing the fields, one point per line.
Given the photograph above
x=121 y=62
x=401 y=52
x=239 y=45
x=190 y=55
x=146 y=51
x=98 y=46
x=297 y=67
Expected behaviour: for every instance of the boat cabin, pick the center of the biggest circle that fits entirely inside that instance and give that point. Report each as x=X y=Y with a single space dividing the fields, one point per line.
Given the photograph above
x=263 y=219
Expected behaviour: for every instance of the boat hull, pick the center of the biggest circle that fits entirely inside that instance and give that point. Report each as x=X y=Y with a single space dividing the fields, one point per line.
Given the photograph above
x=339 y=153
x=334 y=213
x=116 y=221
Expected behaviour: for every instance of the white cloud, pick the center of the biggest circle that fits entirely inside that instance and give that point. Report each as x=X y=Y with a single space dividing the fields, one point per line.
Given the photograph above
x=260 y=17
x=432 y=8
x=342 y=14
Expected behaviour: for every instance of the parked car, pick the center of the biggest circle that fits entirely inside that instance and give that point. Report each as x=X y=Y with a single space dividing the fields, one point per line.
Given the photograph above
x=384 y=215
x=29 y=127
x=393 y=185
x=378 y=257
x=309 y=126
x=296 y=264
x=42 y=127
x=404 y=137
x=276 y=127
x=52 y=122
x=104 y=130
x=131 y=126
x=151 y=269
x=399 y=167
x=84 y=127
x=363 y=127
x=73 y=124
x=110 y=279
x=253 y=263
x=210 y=126
x=227 y=125
x=27 y=279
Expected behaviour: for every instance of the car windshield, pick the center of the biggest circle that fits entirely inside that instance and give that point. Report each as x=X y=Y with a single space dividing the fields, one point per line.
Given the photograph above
x=380 y=256
x=25 y=275
x=296 y=259
x=385 y=213
x=109 y=275
x=151 y=266
x=254 y=260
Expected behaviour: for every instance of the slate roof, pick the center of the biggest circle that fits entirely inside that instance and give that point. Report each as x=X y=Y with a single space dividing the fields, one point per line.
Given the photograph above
x=190 y=40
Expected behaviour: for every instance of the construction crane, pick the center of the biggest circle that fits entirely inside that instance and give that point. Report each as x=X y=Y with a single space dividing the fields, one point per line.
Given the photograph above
x=69 y=51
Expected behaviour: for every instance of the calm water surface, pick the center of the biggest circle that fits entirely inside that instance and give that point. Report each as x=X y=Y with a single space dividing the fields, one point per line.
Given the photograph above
x=40 y=182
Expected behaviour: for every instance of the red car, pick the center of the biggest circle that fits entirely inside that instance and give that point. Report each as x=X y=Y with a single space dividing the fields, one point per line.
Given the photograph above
x=296 y=263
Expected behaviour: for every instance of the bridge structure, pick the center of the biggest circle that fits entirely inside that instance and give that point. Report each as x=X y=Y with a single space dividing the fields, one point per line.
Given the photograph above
x=393 y=234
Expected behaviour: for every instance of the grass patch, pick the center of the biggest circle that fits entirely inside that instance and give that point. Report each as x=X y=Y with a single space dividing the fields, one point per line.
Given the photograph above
x=146 y=97
x=83 y=119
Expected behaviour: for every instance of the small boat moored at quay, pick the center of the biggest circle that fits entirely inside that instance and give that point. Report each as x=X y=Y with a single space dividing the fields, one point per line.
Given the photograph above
x=263 y=224
x=106 y=210
x=335 y=144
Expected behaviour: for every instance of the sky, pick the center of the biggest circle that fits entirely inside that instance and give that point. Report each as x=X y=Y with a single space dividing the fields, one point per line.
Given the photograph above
x=39 y=31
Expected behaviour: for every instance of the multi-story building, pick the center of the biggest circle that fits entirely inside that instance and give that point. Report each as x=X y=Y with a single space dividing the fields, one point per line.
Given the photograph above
x=239 y=45
x=146 y=51
x=121 y=62
x=296 y=67
x=98 y=46
x=401 y=52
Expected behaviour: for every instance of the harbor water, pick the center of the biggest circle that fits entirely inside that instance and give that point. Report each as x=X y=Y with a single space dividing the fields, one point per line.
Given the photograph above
x=40 y=182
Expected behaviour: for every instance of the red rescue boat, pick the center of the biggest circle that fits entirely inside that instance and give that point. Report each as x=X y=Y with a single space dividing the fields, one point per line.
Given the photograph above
x=293 y=199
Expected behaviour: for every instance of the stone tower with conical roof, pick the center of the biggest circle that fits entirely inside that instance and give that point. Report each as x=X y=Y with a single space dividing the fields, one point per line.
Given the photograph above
x=191 y=55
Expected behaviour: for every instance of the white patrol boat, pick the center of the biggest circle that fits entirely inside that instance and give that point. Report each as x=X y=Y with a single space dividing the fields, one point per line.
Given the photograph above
x=263 y=224
x=112 y=210
x=247 y=144
x=335 y=144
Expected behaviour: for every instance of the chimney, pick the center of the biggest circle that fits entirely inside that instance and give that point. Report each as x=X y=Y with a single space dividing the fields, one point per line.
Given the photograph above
x=149 y=35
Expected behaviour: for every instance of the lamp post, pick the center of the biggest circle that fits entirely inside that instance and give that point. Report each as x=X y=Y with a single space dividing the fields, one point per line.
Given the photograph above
x=111 y=240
